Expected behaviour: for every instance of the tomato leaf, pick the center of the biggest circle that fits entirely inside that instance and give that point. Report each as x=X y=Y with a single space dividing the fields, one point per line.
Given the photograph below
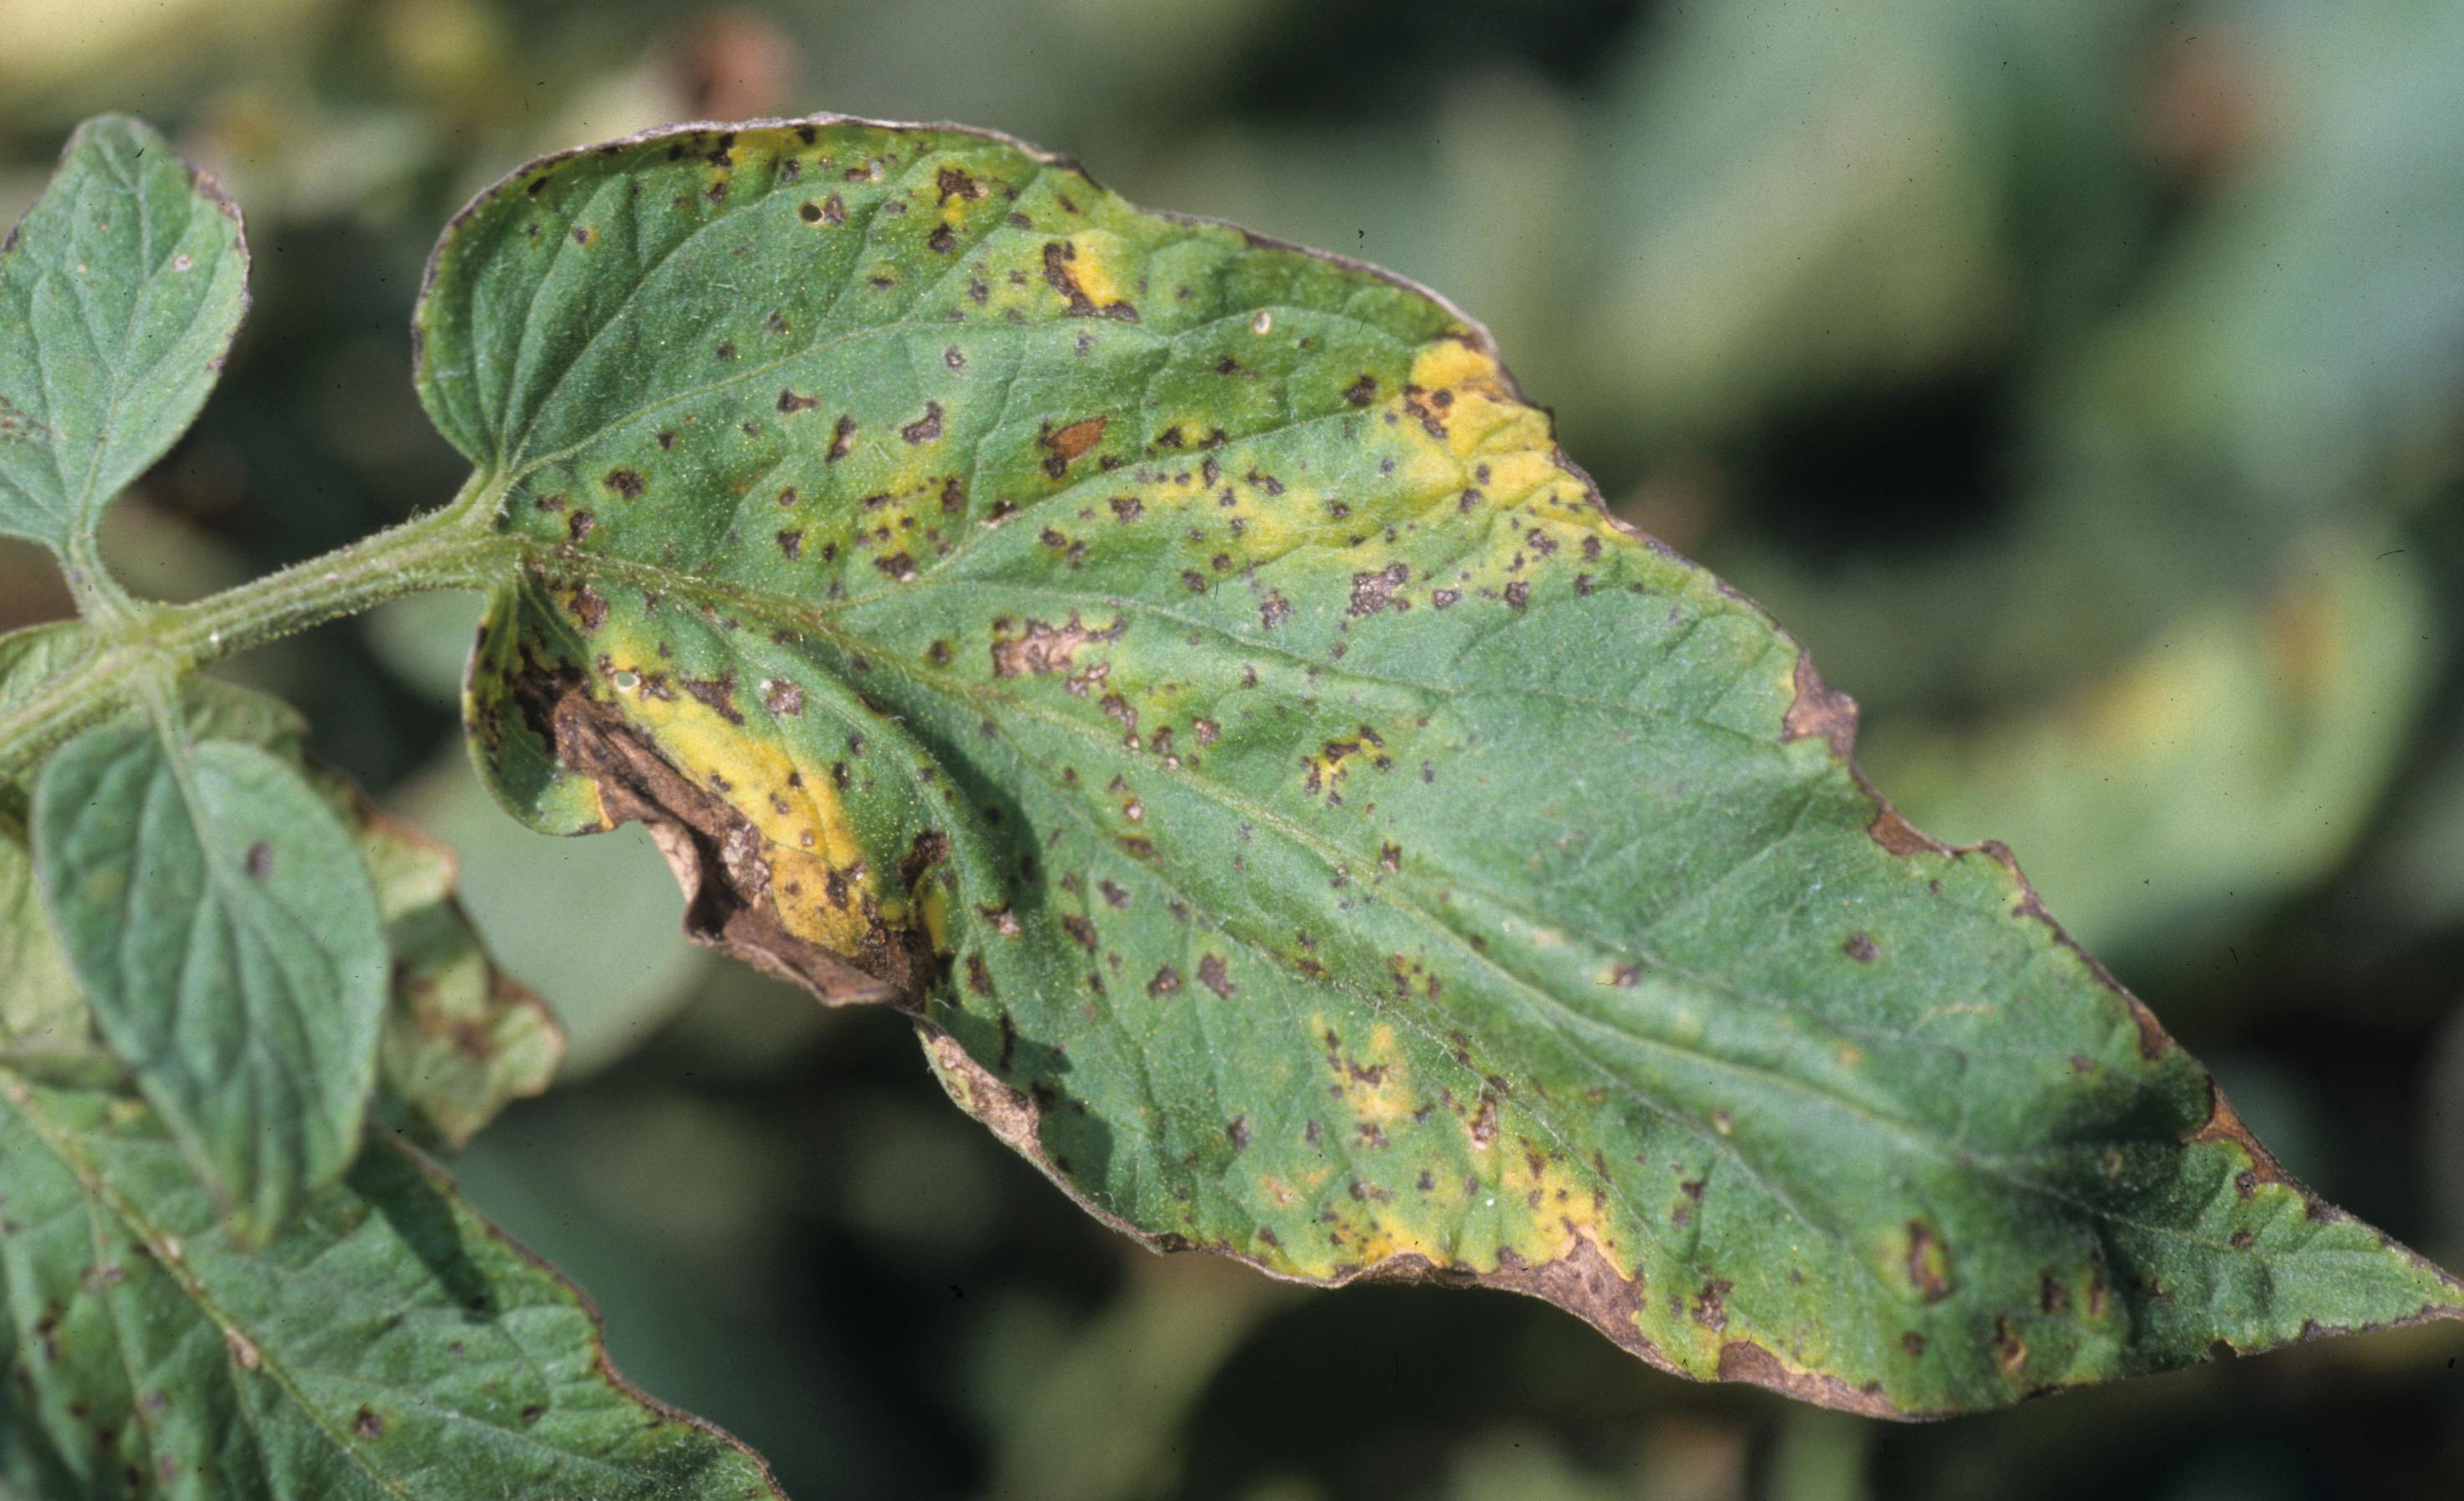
x=386 y=1343
x=461 y=1038
x=219 y=918
x=120 y=294
x=1183 y=670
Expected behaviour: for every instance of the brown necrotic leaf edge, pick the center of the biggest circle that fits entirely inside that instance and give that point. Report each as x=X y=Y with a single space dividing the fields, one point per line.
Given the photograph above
x=728 y=908
x=715 y=856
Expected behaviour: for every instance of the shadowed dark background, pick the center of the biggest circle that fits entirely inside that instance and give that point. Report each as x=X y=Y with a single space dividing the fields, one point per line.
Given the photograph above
x=2083 y=381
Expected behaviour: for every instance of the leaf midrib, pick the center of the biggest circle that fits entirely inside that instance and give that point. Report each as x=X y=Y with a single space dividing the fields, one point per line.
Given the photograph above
x=81 y=503
x=230 y=908
x=818 y=618
x=957 y=692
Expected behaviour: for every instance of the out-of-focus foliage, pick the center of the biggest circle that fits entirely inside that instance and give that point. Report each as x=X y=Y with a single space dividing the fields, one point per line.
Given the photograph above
x=2019 y=356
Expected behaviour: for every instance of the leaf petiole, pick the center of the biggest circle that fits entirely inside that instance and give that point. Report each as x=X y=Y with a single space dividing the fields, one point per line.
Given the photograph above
x=98 y=596
x=455 y=546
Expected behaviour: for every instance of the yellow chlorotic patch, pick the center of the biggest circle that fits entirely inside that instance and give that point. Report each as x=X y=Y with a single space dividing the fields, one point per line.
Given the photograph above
x=1096 y=268
x=819 y=877
x=1542 y=1211
x=1465 y=389
x=1515 y=1197
x=1468 y=429
x=1375 y=1087
x=1521 y=472
x=1271 y=526
x=1560 y=1201
x=589 y=790
x=1383 y=1238
x=1428 y=470
x=908 y=477
x=1445 y=364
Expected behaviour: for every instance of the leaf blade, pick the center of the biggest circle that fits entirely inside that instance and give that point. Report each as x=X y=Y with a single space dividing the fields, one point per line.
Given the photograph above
x=462 y=1038
x=121 y=292
x=218 y=916
x=1185 y=668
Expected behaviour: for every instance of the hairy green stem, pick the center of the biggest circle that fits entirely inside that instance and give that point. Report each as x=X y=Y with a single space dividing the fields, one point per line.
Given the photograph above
x=455 y=546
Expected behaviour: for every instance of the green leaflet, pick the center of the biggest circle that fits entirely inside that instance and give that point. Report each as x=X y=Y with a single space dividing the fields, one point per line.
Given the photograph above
x=1183 y=670
x=461 y=1038
x=386 y=1343
x=218 y=915
x=211 y=914
x=120 y=292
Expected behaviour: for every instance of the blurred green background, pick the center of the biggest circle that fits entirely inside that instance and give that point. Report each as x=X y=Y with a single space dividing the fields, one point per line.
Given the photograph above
x=2083 y=380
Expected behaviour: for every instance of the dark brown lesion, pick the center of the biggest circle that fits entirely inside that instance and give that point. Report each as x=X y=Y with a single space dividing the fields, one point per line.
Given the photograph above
x=1372 y=592
x=2225 y=1125
x=1583 y=1281
x=1044 y=648
x=719 y=858
x=1819 y=711
x=1929 y=1262
x=1070 y=442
